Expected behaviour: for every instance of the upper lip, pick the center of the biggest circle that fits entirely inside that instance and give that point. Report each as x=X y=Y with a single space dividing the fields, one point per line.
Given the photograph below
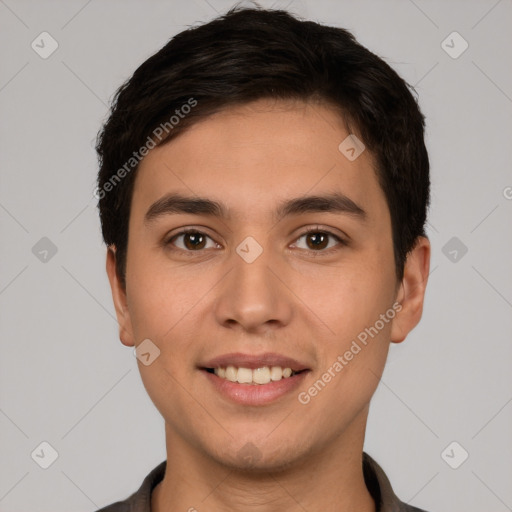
x=254 y=361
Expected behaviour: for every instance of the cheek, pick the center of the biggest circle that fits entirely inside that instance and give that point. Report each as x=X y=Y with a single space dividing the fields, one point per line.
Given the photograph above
x=354 y=300
x=161 y=298
x=167 y=386
x=161 y=308
x=351 y=366
x=358 y=307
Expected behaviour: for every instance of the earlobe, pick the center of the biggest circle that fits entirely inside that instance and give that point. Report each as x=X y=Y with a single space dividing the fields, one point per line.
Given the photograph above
x=411 y=293
x=119 y=298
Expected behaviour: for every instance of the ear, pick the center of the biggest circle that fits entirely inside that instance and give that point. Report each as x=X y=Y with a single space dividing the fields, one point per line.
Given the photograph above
x=411 y=293
x=119 y=298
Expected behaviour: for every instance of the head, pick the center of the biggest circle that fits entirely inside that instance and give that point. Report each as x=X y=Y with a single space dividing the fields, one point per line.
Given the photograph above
x=245 y=115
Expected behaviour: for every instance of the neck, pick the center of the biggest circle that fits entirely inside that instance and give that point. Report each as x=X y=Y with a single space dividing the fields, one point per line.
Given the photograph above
x=331 y=478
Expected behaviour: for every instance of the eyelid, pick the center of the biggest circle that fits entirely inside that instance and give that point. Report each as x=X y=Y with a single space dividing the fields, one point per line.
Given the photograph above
x=340 y=235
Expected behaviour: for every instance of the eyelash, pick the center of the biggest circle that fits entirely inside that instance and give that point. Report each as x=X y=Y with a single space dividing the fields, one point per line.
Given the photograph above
x=316 y=230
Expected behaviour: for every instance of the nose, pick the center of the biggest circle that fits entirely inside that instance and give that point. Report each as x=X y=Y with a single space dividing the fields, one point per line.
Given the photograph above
x=253 y=297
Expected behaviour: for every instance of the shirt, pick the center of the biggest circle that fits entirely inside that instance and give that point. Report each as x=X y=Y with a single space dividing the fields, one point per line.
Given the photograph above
x=376 y=481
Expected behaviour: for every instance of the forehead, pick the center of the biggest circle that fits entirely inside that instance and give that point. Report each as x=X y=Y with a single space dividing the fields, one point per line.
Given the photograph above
x=249 y=156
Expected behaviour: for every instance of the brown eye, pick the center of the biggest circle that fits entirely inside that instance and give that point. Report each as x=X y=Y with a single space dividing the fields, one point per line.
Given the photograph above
x=317 y=240
x=194 y=240
x=190 y=240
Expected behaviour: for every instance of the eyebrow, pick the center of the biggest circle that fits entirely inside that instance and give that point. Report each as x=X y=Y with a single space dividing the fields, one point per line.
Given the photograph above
x=178 y=203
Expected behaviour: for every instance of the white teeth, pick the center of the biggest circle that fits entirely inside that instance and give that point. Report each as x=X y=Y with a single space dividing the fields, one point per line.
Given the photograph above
x=287 y=372
x=244 y=376
x=262 y=375
x=231 y=372
x=276 y=373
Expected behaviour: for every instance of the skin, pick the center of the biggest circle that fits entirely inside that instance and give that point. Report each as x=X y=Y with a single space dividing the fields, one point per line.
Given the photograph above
x=290 y=300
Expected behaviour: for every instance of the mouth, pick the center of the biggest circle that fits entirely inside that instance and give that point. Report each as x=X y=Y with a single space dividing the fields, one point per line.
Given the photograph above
x=254 y=380
x=256 y=377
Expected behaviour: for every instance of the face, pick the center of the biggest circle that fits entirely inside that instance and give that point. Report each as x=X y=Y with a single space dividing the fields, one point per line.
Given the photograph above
x=267 y=278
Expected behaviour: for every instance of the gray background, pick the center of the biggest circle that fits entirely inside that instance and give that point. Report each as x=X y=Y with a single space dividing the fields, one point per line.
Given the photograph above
x=65 y=377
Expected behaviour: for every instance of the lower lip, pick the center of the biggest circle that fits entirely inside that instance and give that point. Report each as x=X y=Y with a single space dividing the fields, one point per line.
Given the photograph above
x=255 y=394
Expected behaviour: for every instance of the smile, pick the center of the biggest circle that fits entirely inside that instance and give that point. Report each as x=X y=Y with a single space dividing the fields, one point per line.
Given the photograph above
x=257 y=376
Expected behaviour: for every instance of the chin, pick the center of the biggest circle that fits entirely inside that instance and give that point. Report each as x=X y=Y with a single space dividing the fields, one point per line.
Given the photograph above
x=256 y=458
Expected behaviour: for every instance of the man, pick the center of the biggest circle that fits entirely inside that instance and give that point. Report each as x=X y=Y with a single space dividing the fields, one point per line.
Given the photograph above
x=263 y=191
